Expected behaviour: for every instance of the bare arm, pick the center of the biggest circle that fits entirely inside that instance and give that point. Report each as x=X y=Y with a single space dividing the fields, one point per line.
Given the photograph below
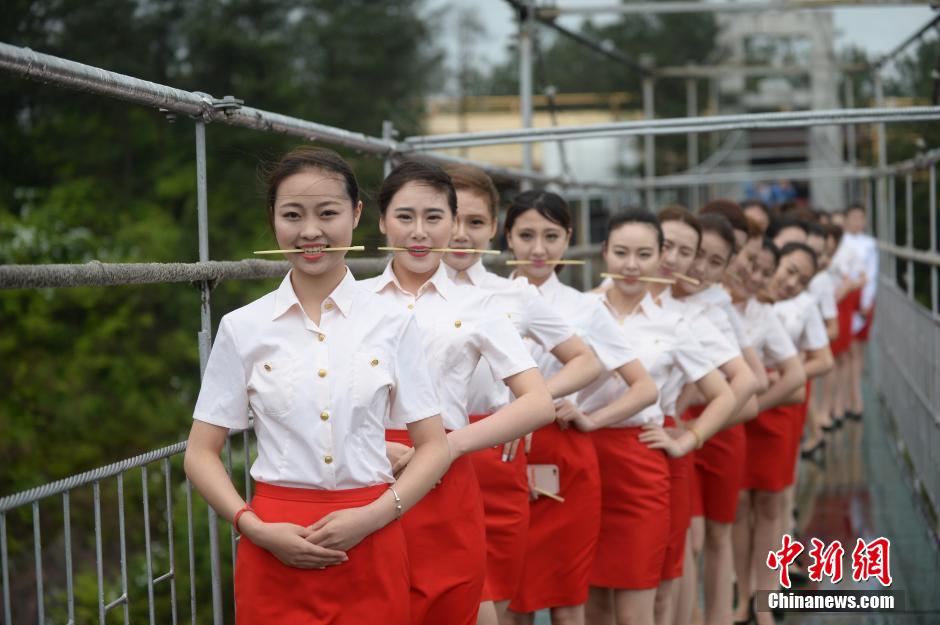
x=741 y=381
x=642 y=393
x=581 y=367
x=286 y=541
x=757 y=368
x=719 y=401
x=531 y=409
x=792 y=379
x=818 y=362
x=832 y=328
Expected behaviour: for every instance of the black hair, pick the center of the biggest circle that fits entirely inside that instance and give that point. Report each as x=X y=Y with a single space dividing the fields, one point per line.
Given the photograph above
x=816 y=229
x=719 y=224
x=304 y=158
x=783 y=222
x=855 y=206
x=796 y=246
x=549 y=205
x=420 y=171
x=635 y=215
x=757 y=204
x=768 y=244
x=730 y=210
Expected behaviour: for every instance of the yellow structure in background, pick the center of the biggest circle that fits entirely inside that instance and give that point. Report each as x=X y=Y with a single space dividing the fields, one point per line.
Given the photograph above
x=481 y=113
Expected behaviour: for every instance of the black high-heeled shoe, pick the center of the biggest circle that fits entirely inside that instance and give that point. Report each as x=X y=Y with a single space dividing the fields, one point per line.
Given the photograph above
x=813 y=452
x=751 y=617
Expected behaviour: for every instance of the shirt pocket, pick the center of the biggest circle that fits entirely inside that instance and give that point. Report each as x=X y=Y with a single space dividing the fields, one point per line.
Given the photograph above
x=274 y=383
x=372 y=384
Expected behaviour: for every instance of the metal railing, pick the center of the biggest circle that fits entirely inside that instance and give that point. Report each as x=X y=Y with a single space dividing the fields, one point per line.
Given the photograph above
x=906 y=381
x=67 y=489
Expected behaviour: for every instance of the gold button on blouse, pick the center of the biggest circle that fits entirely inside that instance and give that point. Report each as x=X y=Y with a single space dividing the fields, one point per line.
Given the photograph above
x=328 y=459
x=322 y=373
x=457 y=324
x=375 y=362
x=321 y=337
x=324 y=416
x=411 y=306
x=267 y=367
x=328 y=306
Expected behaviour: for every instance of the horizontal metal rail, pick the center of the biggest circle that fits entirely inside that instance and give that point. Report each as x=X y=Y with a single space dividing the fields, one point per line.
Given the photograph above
x=908 y=253
x=743 y=6
x=83 y=479
x=678 y=125
x=49 y=69
x=96 y=273
x=746 y=175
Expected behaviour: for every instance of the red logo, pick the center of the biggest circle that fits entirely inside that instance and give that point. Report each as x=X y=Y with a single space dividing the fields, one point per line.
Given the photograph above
x=826 y=561
x=784 y=558
x=872 y=560
x=869 y=560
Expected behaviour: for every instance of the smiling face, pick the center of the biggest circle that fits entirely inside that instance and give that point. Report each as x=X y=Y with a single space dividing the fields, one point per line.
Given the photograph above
x=474 y=230
x=818 y=243
x=312 y=210
x=742 y=266
x=762 y=272
x=632 y=251
x=792 y=275
x=537 y=239
x=679 y=248
x=418 y=218
x=711 y=262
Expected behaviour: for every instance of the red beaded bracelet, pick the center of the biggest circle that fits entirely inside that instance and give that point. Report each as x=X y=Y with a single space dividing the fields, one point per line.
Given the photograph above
x=239 y=514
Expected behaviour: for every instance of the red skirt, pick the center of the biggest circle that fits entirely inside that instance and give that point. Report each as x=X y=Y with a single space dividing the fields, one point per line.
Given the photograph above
x=562 y=536
x=696 y=505
x=720 y=467
x=680 y=511
x=770 y=452
x=866 y=329
x=635 y=507
x=799 y=424
x=505 y=489
x=371 y=586
x=847 y=308
x=446 y=543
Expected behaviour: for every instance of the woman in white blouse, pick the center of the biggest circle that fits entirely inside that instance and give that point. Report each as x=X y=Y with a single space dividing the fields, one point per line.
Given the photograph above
x=502 y=471
x=635 y=471
x=753 y=270
x=773 y=438
x=688 y=249
x=321 y=364
x=563 y=535
x=461 y=326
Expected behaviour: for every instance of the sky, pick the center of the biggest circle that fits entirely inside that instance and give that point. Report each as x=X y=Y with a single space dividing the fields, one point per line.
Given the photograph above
x=876 y=29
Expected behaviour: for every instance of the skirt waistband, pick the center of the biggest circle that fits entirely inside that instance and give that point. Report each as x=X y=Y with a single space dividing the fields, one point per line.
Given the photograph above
x=365 y=494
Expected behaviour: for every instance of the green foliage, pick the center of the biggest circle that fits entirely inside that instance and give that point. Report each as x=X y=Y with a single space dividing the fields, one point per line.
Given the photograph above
x=93 y=375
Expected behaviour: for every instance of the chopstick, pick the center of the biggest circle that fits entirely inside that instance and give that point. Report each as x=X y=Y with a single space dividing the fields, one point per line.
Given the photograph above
x=441 y=249
x=465 y=251
x=547 y=262
x=617 y=276
x=354 y=248
x=542 y=491
x=686 y=278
